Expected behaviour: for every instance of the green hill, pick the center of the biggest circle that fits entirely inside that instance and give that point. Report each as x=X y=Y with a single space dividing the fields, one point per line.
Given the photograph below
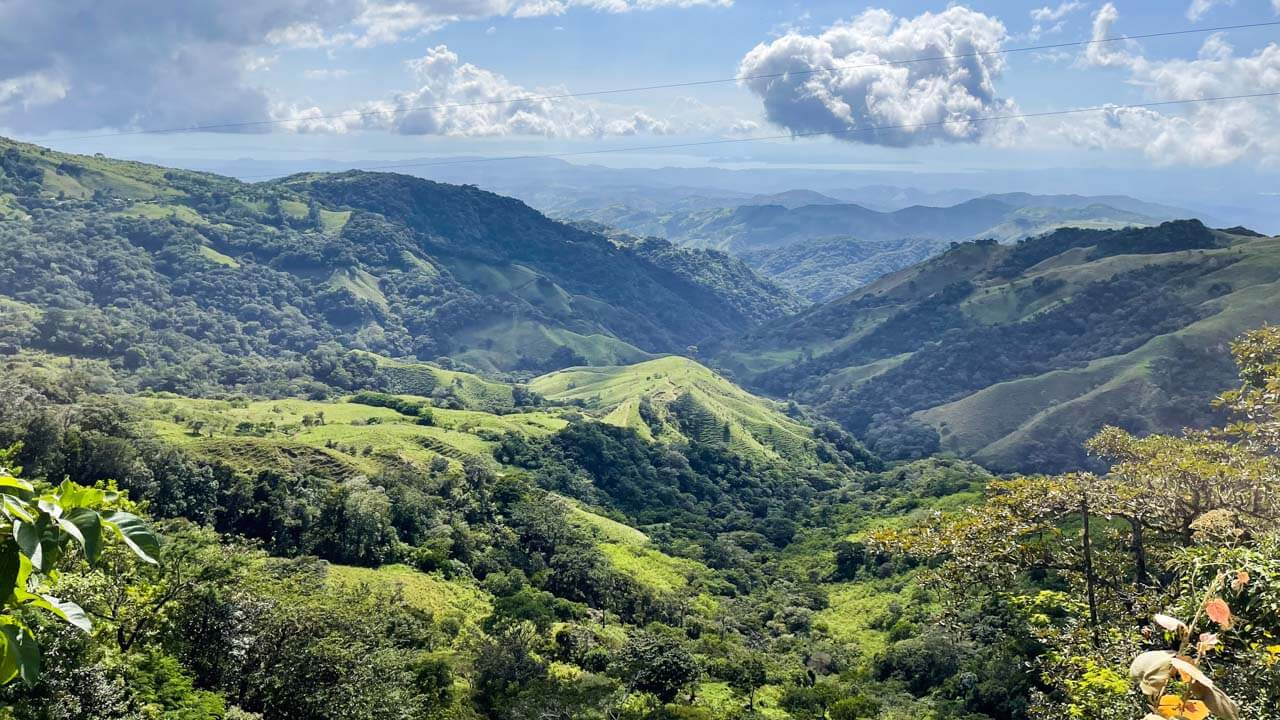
x=217 y=283
x=677 y=399
x=1014 y=354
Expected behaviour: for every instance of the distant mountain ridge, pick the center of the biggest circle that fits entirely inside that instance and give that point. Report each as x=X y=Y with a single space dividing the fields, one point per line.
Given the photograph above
x=823 y=249
x=759 y=226
x=1014 y=354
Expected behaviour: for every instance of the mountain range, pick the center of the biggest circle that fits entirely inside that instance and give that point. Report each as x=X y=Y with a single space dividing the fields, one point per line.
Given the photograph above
x=100 y=257
x=1014 y=354
x=1009 y=353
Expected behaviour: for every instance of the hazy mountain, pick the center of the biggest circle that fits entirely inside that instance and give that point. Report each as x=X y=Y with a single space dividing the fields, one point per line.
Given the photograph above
x=752 y=227
x=793 y=199
x=820 y=270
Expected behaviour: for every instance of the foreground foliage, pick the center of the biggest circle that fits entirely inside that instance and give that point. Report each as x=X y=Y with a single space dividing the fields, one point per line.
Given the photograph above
x=1096 y=569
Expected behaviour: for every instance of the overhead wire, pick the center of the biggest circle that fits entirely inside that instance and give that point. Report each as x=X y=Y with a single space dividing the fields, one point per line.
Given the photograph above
x=668 y=86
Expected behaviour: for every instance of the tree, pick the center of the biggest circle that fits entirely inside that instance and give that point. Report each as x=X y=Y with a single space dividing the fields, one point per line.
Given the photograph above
x=656 y=663
x=1083 y=559
x=38 y=530
x=747 y=674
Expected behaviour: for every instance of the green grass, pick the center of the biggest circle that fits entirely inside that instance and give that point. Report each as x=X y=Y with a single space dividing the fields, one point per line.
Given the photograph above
x=517 y=280
x=689 y=401
x=995 y=424
x=414 y=378
x=157 y=211
x=218 y=257
x=491 y=346
x=608 y=529
x=428 y=592
x=278 y=435
x=629 y=551
x=855 y=606
x=362 y=284
x=334 y=220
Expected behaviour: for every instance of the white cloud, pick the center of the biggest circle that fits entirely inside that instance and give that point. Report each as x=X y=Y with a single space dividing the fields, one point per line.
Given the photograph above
x=175 y=64
x=308 y=120
x=460 y=99
x=1198 y=134
x=1105 y=54
x=841 y=80
x=1199 y=8
x=1051 y=19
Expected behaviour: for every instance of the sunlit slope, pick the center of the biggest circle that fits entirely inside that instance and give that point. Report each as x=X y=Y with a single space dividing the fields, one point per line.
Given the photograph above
x=674 y=398
x=337 y=439
x=997 y=423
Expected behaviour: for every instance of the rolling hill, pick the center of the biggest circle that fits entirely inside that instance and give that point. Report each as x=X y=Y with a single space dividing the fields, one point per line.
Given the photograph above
x=674 y=399
x=198 y=280
x=1014 y=354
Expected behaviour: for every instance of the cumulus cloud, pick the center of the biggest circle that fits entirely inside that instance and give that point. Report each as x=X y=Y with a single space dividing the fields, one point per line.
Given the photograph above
x=1050 y=19
x=838 y=81
x=1200 y=134
x=458 y=98
x=1199 y=8
x=176 y=64
x=1105 y=54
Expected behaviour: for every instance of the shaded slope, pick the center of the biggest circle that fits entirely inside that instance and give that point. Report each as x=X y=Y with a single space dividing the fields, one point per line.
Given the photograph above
x=1015 y=354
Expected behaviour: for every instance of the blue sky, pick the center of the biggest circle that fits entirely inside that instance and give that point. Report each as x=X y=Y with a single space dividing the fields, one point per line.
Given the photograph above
x=82 y=67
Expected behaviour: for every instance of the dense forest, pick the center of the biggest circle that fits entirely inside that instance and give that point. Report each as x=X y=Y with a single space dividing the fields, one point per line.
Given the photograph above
x=196 y=281
x=259 y=462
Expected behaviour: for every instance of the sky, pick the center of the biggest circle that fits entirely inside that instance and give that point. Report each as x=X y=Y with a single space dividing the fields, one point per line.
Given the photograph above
x=365 y=80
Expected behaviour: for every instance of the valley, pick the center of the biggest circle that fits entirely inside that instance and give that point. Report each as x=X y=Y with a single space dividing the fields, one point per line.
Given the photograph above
x=416 y=450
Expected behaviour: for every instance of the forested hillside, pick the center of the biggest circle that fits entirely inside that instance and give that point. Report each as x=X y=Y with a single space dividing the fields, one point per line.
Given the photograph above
x=195 y=281
x=1015 y=354
x=827 y=268
x=363 y=446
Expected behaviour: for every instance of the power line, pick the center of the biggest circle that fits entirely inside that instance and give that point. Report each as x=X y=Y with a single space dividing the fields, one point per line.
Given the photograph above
x=788 y=136
x=678 y=85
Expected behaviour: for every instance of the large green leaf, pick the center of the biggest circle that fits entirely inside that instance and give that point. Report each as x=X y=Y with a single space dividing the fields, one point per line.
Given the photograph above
x=135 y=534
x=28 y=537
x=26 y=653
x=64 y=609
x=15 y=486
x=16 y=508
x=85 y=526
x=71 y=496
x=8 y=659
